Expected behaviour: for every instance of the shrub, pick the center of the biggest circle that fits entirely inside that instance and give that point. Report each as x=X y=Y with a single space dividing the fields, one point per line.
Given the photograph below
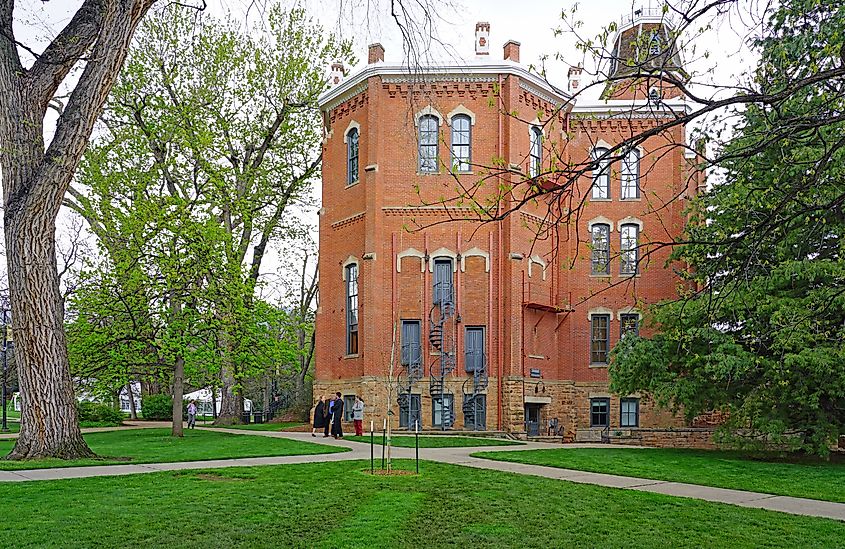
x=157 y=407
x=100 y=414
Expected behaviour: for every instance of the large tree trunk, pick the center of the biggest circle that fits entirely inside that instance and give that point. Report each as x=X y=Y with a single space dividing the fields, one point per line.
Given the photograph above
x=34 y=183
x=178 y=389
x=133 y=413
x=231 y=402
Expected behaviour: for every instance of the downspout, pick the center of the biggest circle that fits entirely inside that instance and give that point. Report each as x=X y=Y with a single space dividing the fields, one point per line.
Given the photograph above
x=499 y=330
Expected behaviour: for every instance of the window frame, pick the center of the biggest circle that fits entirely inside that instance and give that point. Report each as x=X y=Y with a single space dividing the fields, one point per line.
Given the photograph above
x=437 y=295
x=407 y=414
x=405 y=355
x=352 y=304
x=605 y=413
x=626 y=267
x=352 y=150
x=535 y=151
x=348 y=401
x=623 y=413
x=602 y=172
x=629 y=175
x=481 y=352
x=460 y=163
x=434 y=405
x=434 y=146
x=626 y=317
x=596 y=250
x=594 y=340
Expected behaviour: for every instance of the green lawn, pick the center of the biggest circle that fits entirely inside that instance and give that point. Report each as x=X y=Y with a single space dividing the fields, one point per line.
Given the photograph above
x=808 y=479
x=260 y=426
x=404 y=441
x=157 y=446
x=337 y=505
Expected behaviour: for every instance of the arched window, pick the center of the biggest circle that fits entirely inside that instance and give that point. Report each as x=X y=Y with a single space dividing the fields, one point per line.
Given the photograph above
x=352 y=156
x=536 y=154
x=429 y=130
x=629 y=236
x=601 y=248
x=461 y=139
x=352 y=309
x=630 y=176
x=601 y=173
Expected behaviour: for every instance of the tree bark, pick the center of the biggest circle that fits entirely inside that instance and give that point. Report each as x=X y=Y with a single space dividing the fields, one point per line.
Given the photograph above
x=133 y=413
x=34 y=183
x=178 y=389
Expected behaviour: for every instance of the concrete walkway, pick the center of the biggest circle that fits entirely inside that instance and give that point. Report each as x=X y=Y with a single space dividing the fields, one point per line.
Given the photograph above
x=457 y=456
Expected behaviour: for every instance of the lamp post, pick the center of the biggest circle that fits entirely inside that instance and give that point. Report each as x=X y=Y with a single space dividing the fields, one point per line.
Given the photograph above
x=4 y=311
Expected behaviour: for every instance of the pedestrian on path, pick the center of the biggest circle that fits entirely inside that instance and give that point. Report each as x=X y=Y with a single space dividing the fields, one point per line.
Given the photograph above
x=327 y=416
x=337 y=416
x=358 y=415
x=192 y=414
x=319 y=416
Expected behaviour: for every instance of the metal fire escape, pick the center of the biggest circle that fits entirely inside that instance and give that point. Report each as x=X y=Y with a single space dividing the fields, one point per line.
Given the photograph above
x=441 y=336
x=412 y=372
x=475 y=404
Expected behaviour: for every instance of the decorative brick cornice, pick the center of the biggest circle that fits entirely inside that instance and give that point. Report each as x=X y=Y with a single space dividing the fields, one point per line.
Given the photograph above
x=346 y=95
x=349 y=220
x=433 y=211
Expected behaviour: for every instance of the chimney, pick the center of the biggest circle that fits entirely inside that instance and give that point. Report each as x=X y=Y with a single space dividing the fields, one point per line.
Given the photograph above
x=336 y=74
x=375 y=53
x=512 y=51
x=482 y=38
x=574 y=75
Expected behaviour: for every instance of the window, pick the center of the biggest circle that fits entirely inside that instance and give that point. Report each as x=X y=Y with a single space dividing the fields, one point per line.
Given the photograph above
x=629 y=323
x=442 y=281
x=475 y=412
x=352 y=156
x=348 y=401
x=474 y=349
x=630 y=176
x=599 y=412
x=461 y=139
x=628 y=249
x=654 y=44
x=629 y=409
x=601 y=174
x=536 y=155
x=352 y=309
x=411 y=354
x=601 y=248
x=409 y=410
x=441 y=410
x=429 y=130
x=599 y=338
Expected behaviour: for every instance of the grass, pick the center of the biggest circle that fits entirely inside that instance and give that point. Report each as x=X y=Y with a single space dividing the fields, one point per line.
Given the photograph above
x=157 y=446
x=723 y=469
x=404 y=441
x=261 y=426
x=337 y=505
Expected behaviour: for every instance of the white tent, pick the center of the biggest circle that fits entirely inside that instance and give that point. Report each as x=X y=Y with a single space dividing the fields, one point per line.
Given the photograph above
x=203 y=398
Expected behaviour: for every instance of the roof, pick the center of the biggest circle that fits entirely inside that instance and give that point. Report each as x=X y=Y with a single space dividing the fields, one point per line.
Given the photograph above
x=355 y=83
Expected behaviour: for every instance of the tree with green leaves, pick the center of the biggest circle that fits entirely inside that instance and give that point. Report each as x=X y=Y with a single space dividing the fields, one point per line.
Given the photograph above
x=759 y=332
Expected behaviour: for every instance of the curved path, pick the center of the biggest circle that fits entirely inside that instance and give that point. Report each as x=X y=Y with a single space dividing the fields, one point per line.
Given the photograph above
x=454 y=456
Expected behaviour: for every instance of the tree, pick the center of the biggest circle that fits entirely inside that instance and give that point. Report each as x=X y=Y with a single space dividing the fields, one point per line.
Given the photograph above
x=759 y=335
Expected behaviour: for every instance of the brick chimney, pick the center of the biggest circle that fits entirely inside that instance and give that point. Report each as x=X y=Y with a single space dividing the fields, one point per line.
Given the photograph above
x=574 y=75
x=482 y=38
x=375 y=53
x=336 y=74
x=512 y=51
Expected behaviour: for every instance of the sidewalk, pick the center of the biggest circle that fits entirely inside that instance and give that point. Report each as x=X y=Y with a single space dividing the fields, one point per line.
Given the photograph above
x=456 y=456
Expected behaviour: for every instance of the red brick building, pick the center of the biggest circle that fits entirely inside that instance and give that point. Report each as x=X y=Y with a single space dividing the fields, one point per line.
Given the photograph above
x=503 y=325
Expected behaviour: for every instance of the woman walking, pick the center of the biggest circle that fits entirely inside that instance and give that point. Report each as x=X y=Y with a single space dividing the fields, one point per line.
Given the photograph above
x=319 y=416
x=358 y=416
x=337 y=417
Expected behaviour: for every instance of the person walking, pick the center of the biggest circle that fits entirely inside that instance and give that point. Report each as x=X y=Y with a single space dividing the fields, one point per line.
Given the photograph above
x=192 y=414
x=319 y=416
x=327 y=416
x=337 y=416
x=358 y=416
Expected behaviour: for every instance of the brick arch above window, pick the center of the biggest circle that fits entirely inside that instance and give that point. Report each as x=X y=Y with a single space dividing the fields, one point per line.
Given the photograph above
x=442 y=253
x=427 y=110
x=602 y=144
x=600 y=220
x=460 y=109
x=352 y=126
x=629 y=221
x=475 y=252
x=536 y=259
x=599 y=311
x=410 y=252
x=351 y=260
